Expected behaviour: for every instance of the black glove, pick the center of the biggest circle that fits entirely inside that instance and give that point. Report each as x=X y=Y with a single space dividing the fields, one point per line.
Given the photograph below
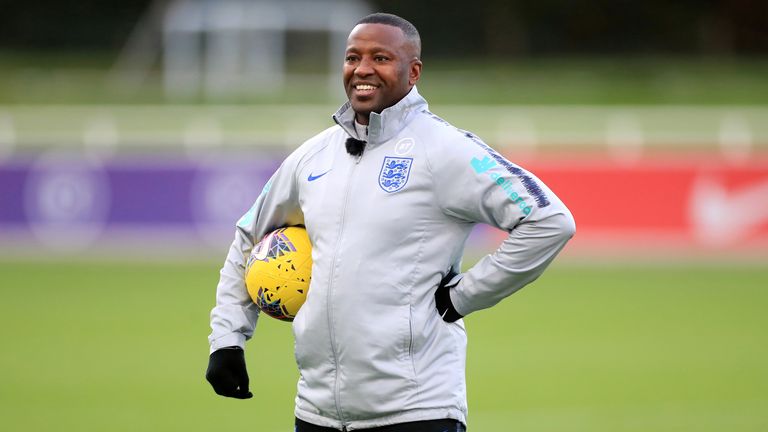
x=443 y=299
x=227 y=374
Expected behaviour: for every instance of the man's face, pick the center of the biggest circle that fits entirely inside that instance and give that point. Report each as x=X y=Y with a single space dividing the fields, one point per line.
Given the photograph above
x=380 y=67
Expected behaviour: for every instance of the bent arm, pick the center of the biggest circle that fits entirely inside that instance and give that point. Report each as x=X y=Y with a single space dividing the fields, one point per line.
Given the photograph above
x=522 y=257
x=234 y=317
x=482 y=186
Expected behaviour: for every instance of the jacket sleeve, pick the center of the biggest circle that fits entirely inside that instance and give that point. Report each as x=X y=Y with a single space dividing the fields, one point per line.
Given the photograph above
x=477 y=184
x=234 y=317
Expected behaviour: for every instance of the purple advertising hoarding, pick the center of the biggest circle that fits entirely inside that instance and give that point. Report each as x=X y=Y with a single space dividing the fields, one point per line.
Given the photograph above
x=69 y=202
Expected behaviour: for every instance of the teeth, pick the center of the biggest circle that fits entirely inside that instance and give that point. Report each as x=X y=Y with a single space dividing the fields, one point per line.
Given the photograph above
x=364 y=87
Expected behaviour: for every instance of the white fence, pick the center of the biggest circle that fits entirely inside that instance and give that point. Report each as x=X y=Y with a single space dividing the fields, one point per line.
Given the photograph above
x=627 y=131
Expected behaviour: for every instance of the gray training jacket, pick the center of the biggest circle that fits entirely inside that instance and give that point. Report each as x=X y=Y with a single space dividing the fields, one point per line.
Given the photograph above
x=385 y=228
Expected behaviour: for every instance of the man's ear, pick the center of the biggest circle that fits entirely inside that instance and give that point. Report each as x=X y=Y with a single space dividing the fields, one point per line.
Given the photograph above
x=415 y=72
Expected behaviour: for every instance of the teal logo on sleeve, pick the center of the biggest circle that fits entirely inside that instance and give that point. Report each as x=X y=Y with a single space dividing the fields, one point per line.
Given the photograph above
x=526 y=180
x=247 y=219
x=482 y=166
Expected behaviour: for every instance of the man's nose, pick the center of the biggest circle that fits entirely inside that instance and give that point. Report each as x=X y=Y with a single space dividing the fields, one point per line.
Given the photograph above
x=364 y=68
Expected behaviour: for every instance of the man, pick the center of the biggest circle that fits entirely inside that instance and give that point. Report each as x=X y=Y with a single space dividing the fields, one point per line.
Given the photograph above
x=388 y=196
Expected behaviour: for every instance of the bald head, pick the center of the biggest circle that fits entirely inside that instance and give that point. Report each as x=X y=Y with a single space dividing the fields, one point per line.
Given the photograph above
x=408 y=29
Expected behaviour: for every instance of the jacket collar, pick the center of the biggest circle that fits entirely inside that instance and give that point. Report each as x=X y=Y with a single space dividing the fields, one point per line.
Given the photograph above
x=385 y=126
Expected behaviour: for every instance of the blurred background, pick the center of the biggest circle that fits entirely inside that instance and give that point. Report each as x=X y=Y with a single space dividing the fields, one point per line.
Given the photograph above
x=134 y=135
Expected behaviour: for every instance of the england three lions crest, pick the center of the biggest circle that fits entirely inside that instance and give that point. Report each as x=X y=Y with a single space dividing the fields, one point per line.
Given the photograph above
x=394 y=173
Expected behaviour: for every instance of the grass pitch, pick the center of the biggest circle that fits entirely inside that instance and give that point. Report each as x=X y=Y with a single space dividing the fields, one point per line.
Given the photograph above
x=88 y=78
x=122 y=347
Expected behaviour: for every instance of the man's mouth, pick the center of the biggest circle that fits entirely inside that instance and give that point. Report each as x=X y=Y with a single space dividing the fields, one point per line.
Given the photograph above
x=364 y=89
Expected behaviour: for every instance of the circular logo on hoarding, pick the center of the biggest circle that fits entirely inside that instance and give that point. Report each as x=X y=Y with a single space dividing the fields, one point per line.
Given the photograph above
x=221 y=193
x=66 y=200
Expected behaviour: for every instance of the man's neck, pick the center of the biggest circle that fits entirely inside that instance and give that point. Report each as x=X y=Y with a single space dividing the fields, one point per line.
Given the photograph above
x=362 y=119
x=362 y=130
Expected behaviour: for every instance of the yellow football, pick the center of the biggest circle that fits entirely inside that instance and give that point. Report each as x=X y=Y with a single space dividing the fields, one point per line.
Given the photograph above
x=278 y=272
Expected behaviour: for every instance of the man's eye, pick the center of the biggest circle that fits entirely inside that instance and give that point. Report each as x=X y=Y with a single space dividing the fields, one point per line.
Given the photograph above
x=381 y=58
x=350 y=58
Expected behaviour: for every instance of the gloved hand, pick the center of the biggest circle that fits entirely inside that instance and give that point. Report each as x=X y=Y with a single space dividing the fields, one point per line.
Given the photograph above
x=227 y=374
x=443 y=299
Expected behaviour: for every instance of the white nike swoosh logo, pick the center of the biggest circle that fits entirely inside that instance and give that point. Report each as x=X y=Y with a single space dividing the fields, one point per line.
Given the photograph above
x=721 y=215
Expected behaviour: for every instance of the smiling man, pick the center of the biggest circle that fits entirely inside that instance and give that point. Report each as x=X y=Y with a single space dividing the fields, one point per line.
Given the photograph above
x=388 y=196
x=381 y=64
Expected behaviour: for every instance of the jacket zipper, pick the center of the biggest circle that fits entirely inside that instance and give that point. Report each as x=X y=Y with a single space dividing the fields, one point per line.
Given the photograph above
x=336 y=392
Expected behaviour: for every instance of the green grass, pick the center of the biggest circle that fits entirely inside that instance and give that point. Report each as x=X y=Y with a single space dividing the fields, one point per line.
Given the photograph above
x=122 y=347
x=88 y=78
x=601 y=81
